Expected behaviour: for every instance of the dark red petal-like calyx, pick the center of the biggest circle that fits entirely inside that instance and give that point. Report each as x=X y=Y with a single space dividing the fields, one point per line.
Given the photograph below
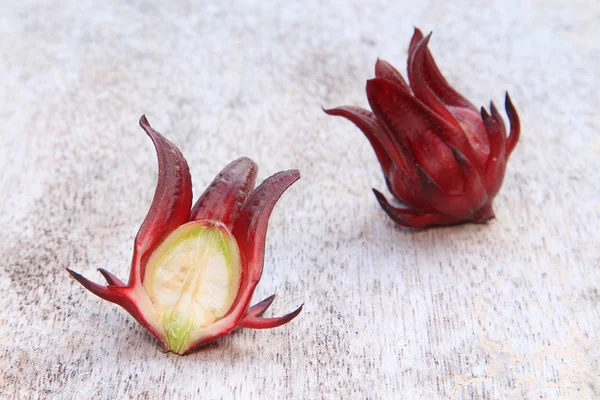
x=250 y=230
x=385 y=70
x=419 y=86
x=416 y=127
x=225 y=196
x=171 y=204
x=441 y=159
x=434 y=78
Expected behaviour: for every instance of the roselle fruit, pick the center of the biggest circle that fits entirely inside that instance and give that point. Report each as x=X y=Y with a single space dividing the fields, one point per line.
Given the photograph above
x=194 y=270
x=442 y=159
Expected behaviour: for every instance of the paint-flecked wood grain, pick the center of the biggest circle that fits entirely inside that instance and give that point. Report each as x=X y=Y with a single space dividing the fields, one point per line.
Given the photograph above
x=507 y=310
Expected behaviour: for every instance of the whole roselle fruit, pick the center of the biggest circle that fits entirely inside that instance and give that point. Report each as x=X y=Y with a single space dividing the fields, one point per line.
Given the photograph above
x=442 y=159
x=194 y=270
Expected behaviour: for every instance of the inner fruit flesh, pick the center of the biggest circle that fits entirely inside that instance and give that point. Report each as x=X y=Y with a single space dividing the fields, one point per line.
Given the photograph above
x=192 y=279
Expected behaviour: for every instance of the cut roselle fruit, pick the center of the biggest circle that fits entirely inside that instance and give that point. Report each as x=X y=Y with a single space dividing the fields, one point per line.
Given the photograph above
x=442 y=159
x=194 y=270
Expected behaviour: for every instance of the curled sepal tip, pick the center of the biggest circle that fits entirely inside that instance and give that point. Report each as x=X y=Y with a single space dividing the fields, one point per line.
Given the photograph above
x=257 y=322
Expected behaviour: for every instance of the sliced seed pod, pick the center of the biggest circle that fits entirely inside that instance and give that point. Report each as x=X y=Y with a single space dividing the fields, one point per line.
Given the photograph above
x=194 y=270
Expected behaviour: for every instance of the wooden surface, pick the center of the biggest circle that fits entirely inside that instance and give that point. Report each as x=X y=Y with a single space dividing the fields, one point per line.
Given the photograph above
x=507 y=310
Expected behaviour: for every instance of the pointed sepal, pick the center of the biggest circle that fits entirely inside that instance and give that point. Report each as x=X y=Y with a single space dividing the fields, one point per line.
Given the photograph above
x=256 y=322
x=225 y=196
x=171 y=204
x=250 y=230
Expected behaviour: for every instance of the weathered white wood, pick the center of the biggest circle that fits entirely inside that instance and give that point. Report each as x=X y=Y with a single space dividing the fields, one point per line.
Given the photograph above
x=508 y=310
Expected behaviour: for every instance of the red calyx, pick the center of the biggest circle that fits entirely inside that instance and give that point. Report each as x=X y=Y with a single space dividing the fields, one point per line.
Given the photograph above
x=442 y=159
x=229 y=222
